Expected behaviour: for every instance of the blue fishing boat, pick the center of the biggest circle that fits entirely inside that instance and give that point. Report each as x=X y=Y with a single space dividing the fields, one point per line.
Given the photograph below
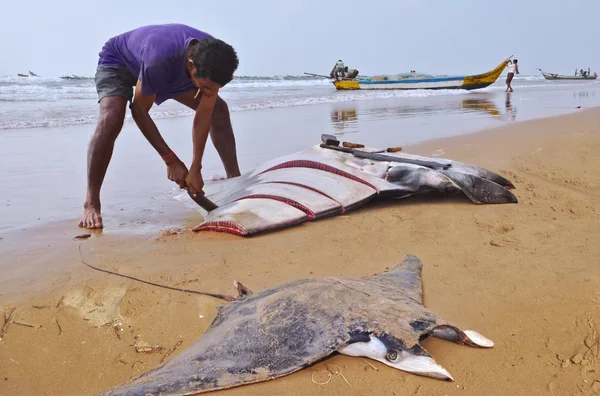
x=422 y=82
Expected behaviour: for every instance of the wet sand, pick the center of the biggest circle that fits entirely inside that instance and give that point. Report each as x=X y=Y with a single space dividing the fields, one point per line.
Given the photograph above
x=525 y=275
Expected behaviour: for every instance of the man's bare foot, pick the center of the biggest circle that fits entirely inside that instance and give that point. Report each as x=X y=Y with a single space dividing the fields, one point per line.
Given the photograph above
x=91 y=218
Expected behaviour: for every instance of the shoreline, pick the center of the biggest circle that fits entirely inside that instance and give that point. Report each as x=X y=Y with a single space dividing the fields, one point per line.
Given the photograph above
x=533 y=290
x=261 y=135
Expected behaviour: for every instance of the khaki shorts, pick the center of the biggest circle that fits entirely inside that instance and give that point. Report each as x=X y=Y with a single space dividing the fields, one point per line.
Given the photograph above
x=114 y=81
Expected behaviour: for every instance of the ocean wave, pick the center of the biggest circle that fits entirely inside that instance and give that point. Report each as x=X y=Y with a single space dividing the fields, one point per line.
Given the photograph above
x=352 y=96
x=273 y=83
x=32 y=80
x=235 y=106
x=44 y=89
x=277 y=78
x=40 y=89
x=47 y=97
x=47 y=122
x=528 y=78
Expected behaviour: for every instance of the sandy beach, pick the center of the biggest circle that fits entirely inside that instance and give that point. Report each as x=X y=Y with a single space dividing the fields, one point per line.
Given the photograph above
x=525 y=275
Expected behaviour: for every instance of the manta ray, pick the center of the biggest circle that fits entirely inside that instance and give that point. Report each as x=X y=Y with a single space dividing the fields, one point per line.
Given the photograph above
x=267 y=335
x=320 y=182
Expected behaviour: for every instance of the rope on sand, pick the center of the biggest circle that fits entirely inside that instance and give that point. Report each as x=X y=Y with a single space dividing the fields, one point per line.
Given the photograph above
x=215 y=295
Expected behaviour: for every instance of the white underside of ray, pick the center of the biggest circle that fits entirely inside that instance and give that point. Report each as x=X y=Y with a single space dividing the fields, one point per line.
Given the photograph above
x=373 y=349
x=479 y=339
x=376 y=350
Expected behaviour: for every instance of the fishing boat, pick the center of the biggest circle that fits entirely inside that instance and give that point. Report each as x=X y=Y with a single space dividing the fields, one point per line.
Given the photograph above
x=75 y=77
x=552 y=76
x=423 y=82
x=31 y=74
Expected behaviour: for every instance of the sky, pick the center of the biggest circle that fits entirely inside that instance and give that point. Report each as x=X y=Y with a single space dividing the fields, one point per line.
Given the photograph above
x=272 y=37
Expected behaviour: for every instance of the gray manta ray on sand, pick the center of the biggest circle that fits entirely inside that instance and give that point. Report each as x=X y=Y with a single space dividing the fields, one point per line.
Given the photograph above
x=321 y=182
x=263 y=336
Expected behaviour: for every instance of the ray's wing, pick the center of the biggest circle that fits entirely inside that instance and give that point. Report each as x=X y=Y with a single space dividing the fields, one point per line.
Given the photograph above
x=259 y=338
x=480 y=190
x=402 y=281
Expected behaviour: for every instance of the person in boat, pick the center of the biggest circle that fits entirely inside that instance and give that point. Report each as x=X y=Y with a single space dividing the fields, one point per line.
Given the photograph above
x=513 y=68
x=575 y=72
x=147 y=66
x=588 y=72
x=582 y=73
x=338 y=70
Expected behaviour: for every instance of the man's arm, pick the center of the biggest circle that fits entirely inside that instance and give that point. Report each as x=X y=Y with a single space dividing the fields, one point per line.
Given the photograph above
x=221 y=131
x=140 y=112
x=200 y=130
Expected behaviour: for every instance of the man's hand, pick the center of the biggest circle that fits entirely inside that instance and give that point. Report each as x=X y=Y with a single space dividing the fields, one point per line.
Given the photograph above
x=194 y=180
x=177 y=172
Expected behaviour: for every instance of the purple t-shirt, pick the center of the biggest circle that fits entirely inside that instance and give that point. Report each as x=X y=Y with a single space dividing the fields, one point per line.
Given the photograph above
x=157 y=55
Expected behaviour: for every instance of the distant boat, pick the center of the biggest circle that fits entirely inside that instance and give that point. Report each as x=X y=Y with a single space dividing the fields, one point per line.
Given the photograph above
x=23 y=75
x=74 y=77
x=32 y=74
x=423 y=82
x=552 y=76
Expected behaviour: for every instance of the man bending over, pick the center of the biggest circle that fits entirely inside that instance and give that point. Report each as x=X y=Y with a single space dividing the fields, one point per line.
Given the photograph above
x=149 y=65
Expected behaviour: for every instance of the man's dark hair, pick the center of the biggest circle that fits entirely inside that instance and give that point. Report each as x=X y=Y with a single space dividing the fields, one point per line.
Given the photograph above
x=516 y=61
x=215 y=60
